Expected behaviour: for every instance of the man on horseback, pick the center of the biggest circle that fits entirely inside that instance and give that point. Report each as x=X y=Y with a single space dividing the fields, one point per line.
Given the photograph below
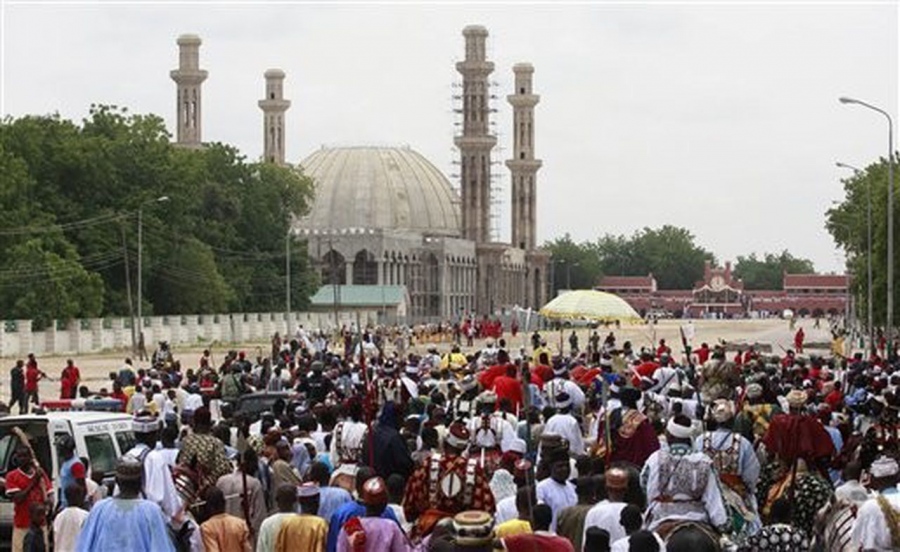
x=681 y=484
x=446 y=484
x=346 y=445
x=736 y=464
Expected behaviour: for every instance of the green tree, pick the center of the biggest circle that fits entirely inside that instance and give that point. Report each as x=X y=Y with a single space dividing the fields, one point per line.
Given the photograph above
x=768 y=271
x=847 y=223
x=671 y=255
x=43 y=280
x=573 y=265
x=218 y=244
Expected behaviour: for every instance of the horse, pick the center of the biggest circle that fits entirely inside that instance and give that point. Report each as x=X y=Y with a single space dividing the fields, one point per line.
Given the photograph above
x=692 y=537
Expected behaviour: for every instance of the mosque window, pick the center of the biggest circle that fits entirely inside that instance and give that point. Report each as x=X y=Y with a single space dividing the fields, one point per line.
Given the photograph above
x=522 y=155
x=271 y=95
x=522 y=90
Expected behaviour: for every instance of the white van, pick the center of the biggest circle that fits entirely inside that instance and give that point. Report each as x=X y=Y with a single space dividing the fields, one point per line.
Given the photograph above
x=101 y=437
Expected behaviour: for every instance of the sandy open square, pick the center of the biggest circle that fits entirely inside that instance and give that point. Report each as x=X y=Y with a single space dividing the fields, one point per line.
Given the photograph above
x=95 y=368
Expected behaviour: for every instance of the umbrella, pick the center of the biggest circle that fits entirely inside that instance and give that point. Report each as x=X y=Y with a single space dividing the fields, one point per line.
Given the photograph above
x=588 y=304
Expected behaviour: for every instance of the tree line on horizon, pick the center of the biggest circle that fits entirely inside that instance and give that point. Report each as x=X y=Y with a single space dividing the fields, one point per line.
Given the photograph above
x=670 y=253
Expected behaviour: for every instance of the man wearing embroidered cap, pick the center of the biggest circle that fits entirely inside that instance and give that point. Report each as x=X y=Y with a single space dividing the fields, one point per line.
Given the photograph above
x=877 y=525
x=605 y=514
x=372 y=532
x=736 y=464
x=126 y=521
x=305 y=532
x=446 y=484
x=158 y=485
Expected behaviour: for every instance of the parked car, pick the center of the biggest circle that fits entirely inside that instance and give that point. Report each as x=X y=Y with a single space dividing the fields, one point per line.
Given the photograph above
x=251 y=405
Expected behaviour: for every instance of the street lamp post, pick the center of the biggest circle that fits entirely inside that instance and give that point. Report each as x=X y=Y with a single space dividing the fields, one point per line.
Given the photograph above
x=869 y=323
x=569 y=274
x=890 y=216
x=287 y=285
x=140 y=318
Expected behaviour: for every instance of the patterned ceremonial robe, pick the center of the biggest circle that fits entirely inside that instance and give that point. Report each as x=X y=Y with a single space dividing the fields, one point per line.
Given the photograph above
x=450 y=484
x=210 y=454
x=464 y=405
x=631 y=434
x=346 y=448
x=387 y=388
x=777 y=538
x=738 y=469
x=681 y=486
x=753 y=420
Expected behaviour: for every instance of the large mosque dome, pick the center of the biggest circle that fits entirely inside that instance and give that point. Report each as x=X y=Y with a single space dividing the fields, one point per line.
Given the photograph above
x=379 y=188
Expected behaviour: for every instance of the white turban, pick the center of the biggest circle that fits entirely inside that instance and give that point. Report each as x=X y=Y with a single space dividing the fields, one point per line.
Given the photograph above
x=678 y=431
x=884 y=467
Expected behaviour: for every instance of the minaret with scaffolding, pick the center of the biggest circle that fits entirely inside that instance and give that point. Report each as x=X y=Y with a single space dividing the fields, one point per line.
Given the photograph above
x=189 y=81
x=476 y=141
x=274 y=106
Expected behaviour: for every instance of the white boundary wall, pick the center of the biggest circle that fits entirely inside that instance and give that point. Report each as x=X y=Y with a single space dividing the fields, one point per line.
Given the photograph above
x=100 y=334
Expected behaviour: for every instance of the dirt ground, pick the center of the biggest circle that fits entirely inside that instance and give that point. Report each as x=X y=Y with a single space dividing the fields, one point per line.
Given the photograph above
x=96 y=367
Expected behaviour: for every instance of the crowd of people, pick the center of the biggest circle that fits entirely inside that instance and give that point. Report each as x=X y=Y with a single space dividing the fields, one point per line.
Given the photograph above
x=370 y=447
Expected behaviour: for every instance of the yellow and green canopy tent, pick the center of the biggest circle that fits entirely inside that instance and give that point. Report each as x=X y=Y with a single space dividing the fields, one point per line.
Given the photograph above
x=588 y=304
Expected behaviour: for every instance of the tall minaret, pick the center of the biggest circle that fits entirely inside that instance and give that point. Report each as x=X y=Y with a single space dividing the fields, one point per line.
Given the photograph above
x=476 y=142
x=274 y=106
x=523 y=166
x=189 y=79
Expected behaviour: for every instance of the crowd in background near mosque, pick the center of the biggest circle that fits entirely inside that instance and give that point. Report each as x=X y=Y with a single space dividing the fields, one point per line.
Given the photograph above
x=377 y=448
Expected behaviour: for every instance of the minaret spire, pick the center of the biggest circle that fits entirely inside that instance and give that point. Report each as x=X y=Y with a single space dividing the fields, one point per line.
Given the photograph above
x=273 y=106
x=476 y=142
x=523 y=166
x=189 y=81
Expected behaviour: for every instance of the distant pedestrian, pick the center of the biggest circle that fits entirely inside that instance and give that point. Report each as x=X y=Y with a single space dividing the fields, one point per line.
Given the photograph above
x=33 y=375
x=17 y=387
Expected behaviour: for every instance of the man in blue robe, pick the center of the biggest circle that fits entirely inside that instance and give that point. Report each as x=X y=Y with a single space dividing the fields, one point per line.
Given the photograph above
x=127 y=521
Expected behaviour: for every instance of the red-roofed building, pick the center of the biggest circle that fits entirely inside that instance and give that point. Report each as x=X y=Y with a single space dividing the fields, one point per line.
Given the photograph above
x=719 y=293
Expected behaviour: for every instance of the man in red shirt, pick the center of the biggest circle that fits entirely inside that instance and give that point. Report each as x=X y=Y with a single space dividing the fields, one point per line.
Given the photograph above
x=32 y=375
x=508 y=387
x=26 y=485
x=119 y=395
x=663 y=349
x=798 y=340
x=69 y=381
x=702 y=354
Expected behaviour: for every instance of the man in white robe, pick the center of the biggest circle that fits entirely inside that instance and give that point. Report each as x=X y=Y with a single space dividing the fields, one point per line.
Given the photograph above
x=681 y=484
x=564 y=424
x=879 y=518
x=557 y=491
x=607 y=513
x=158 y=485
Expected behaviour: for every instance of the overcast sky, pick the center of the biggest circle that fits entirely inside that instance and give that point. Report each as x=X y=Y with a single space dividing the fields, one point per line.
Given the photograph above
x=721 y=118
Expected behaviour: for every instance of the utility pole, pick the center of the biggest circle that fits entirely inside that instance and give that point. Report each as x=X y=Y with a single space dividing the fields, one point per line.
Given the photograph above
x=134 y=344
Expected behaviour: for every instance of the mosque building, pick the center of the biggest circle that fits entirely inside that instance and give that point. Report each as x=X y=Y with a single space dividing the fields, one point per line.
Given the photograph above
x=385 y=216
